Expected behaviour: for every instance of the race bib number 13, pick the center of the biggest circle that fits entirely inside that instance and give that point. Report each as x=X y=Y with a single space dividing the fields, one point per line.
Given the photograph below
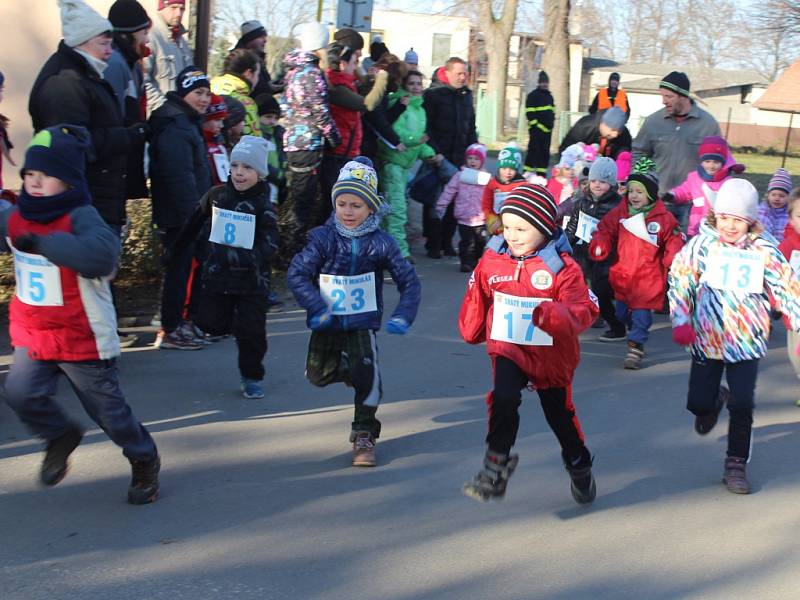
x=512 y=321
x=349 y=295
x=736 y=270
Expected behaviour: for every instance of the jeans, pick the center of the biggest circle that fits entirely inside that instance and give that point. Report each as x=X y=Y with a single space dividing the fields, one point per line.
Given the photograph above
x=638 y=321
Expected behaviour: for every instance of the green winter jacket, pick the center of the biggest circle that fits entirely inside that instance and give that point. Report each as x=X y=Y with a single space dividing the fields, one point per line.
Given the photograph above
x=410 y=127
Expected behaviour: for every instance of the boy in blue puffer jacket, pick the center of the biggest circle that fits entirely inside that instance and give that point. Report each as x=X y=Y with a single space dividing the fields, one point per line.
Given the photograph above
x=338 y=279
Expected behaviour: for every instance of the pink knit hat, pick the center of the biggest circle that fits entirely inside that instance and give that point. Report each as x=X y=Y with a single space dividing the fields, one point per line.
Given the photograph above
x=781 y=180
x=478 y=150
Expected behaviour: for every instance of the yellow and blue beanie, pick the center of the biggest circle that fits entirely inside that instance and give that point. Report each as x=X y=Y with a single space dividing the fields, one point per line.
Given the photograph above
x=358 y=177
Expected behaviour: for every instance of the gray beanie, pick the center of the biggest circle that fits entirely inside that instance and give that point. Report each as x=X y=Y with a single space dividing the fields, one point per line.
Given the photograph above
x=80 y=22
x=252 y=151
x=737 y=198
x=614 y=118
x=604 y=169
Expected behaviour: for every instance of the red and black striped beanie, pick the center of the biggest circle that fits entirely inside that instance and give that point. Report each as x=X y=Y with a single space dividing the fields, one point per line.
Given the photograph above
x=535 y=204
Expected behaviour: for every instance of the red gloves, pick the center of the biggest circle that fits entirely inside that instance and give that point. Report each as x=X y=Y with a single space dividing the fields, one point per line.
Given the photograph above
x=597 y=252
x=683 y=335
x=553 y=318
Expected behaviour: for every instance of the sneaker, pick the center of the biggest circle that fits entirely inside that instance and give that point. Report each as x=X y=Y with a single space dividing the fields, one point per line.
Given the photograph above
x=56 y=459
x=598 y=323
x=155 y=321
x=364 y=449
x=703 y=424
x=144 y=480
x=582 y=485
x=176 y=340
x=126 y=340
x=613 y=335
x=193 y=332
x=735 y=478
x=251 y=389
x=633 y=360
x=492 y=480
x=274 y=303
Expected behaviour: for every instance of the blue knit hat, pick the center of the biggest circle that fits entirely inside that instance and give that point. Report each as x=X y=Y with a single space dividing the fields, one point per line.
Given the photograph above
x=358 y=177
x=60 y=151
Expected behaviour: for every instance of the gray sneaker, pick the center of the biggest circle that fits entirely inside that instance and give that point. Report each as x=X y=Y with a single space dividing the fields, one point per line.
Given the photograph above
x=176 y=340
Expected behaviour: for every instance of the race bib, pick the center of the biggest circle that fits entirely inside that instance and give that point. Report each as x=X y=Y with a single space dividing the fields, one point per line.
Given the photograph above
x=587 y=225
x=273 y=193
x=512 y=321
x=222 y=165
x=499 y=198
x=349 y=295
x=735 y=270
x=38 y=280
x=794 y=260
x=231 y=228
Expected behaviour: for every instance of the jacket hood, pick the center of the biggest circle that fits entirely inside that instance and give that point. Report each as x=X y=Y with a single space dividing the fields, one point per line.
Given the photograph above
x=174 y=108
x=550 y=253
x=233 y=82
x=401 y=93
x=440 y=81
x=299 y=58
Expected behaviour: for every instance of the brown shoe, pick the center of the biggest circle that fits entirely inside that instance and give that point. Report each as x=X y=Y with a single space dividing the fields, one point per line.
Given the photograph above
x=364 y=450
x=735 y=477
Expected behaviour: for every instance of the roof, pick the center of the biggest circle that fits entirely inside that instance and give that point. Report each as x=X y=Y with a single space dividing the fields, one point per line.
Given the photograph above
x=702 y=78
x=783 y=94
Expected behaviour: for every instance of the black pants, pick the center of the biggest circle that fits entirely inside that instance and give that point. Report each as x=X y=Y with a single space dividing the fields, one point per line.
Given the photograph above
x=243 y=315
x=176 y=277
x=438 y=232
x=298 y=214
x=471 y=243
x=704 y=379
x=329 y=173
x=538 y=156
x=605 y=298
x=509 y=380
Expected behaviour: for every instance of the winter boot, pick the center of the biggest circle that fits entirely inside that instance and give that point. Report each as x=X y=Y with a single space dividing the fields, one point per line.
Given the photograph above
x=735 y=477
x=583 y=486
x=144 y=480
x=55 y=464
x=492 y=480
x=633 y=360
x=363 y=449
x=703 y=424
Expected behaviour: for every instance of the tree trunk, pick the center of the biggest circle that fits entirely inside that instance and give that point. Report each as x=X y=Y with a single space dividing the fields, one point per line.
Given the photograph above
x=497 y=34
x=556 y=56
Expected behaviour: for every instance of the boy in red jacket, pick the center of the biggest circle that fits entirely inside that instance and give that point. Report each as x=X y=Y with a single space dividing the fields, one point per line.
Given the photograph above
x=645 y=238
x=213 y=120
x=529 y=302
x=509 y=176
x=790 y=247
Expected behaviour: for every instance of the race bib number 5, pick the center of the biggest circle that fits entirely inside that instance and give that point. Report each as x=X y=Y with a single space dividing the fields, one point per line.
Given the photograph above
x=736 y=270
x=231 y=228
x=38 y=280
x=512 y=321
x=349 y=295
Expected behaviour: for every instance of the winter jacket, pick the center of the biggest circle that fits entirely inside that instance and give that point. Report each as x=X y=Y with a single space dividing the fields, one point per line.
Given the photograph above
x=790 y=243
x=598 y=209
x=264 y=85
x=348 y=120
x=328 y=252
x=493 y=194
x=548 y=273
x=730 y=326
x=86 y=252
x=69 y=90
x=466 y=193
x=450 y=118
x=236 y=87
x=607 y=98
x=587 y=130
x=561 y=191
x=169 y=55
x=639 y=272
x=409 y=127
x=218 y=161
x=377 y=124
x=774 y=220
x=179 y=172
x=305 y=105
x=540 y=110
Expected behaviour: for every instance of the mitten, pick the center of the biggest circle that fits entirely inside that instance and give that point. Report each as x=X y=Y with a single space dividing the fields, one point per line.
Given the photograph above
x=552 y=317
x=321 y=320
x=597 y=251
x=27 y=242
x=683 y=335
x=397 y=326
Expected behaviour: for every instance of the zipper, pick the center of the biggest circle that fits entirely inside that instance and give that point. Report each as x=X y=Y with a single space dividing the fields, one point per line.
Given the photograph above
x=519 y=268
x=353 y=258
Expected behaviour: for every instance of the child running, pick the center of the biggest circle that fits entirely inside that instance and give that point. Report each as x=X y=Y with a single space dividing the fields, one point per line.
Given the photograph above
x=338 y=279
x=529 y=302
x=773 y=212
x=62 y=319
x=720 y=287
x=509 y=176
x=644 y=237
x=790 y=247
x=465 y=190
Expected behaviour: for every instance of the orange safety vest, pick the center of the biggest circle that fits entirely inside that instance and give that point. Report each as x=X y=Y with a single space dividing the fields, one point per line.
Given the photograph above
x=604 y=100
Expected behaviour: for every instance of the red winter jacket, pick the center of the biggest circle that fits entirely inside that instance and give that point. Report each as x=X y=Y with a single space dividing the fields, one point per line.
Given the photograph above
x=639 y=273
x=488 y=201
x=547 y=274
x=791 y=242
x=348 y=121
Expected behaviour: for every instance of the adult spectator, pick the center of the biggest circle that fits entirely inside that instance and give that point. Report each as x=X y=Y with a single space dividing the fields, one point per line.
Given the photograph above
x=613 y=95
x=606 y=129
x=540 y=111
x=411 y=59
x=379 y=118
x=451 y=128
x=254 y=38
x=170 y=52
x=124 y=73
x=672 y=135
x=239 y=79
x=376 y=51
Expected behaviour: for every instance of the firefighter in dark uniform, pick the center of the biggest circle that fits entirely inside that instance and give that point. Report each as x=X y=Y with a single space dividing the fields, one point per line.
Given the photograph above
x=541 y=113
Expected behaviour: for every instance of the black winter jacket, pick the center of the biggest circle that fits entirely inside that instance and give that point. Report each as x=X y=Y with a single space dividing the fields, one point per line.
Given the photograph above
x=69 y=90
x=598 y=209
x=451 y=119
x=587 y=130
x=179 y=171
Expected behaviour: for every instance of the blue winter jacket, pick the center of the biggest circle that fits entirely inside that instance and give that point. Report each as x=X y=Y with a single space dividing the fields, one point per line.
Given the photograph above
x=329 y=252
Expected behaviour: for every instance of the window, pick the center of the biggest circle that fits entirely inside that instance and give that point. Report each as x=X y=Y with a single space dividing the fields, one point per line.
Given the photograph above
x=441 y=48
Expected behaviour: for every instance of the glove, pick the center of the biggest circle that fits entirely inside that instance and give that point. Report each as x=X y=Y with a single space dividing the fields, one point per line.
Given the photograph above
x=668 y=198
x=27 y=242
x=321 y=320
x=397 y=326
x=683 y=335
x=138 y=133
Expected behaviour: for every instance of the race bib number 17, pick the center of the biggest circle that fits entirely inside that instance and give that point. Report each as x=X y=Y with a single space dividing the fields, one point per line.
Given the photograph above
x=512 y=321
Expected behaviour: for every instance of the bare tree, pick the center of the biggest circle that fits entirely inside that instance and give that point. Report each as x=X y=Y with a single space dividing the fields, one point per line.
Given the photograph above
x=775 y=26
x=556 y=54
x=497 y=34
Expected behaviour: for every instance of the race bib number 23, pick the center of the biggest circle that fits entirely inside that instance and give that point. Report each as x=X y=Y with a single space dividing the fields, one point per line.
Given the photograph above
x=349 y=295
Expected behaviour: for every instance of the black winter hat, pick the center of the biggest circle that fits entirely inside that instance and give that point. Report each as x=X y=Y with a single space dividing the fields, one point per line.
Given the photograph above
x=267 y=105
x=60 y=151
x=613 y=77
x=676 y=82
x=250 y=31
x=191 y=78
x=350 y=38
x=544 y=77
x=644 y=172
x=128 y=16
x=236 y=112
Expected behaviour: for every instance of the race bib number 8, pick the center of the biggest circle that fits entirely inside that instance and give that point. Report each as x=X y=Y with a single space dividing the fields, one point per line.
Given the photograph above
x=586 y=226
x=38 y=280
x=736 y=270
x=231 y=228
x=349 y=295
x=512 y=321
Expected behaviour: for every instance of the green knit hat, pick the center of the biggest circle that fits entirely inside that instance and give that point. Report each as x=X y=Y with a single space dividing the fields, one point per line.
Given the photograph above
x=511 y=158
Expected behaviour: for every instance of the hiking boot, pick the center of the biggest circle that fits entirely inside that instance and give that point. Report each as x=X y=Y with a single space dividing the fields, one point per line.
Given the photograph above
x=144 y=480
x=633 y=360
x=56 y=459
x=126 y=340
x=251 y=389
x=274 y=304
x=703 y=424
x=583 y=486
x=491 y=481
x=613 y=335
x=735 y=478
x=176 y=340
x=364 y=449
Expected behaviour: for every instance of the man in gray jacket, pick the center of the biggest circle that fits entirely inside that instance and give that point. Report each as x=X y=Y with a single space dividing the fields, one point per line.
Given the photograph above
x=672 y=137
x=170 y=52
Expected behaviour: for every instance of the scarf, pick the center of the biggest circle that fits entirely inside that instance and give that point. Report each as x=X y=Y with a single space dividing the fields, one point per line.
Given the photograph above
x=370 y=224
x=718 y=176
x=44 y=209
x=645 y=209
